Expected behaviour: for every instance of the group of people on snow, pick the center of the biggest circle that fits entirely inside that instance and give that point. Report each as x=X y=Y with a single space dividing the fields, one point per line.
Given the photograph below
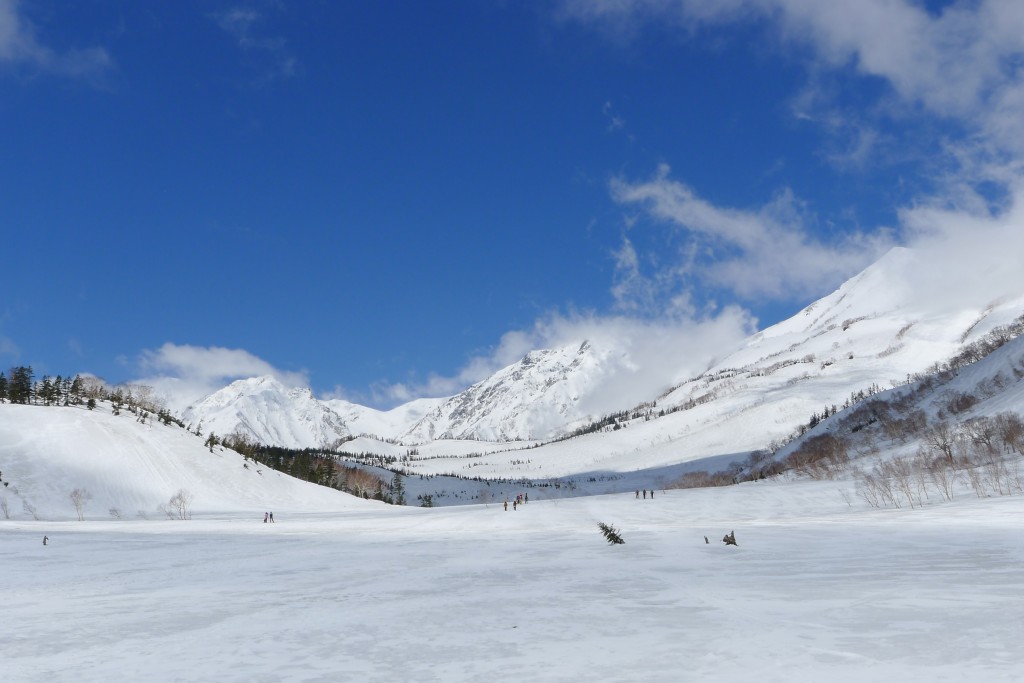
x=645 y=492
x=517 y=501
x=268 y=517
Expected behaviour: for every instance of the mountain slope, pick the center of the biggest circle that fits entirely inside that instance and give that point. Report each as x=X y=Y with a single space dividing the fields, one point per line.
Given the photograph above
x=133 y=468
x=876 y=329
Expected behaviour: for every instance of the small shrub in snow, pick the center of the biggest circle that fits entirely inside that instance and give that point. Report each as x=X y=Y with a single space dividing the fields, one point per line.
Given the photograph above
x=611 y=534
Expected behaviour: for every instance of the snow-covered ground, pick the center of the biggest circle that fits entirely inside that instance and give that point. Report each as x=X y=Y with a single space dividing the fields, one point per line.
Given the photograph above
x=820 y=588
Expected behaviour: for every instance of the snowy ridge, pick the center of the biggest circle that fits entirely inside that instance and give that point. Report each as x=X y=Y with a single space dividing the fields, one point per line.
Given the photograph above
x=385 y=424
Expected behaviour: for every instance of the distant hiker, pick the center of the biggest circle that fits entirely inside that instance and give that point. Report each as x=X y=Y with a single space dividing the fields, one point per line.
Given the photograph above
x=506 y=505
x=45 y=539
x=514 y=503
x=526 y=497
x=266 y=516
x=706 y=541
x=638 y=494
x=652 y=494
x=645 y=494
x=271 y=517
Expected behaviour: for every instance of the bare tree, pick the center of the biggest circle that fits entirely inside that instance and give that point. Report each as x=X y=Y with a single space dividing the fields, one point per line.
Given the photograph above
x=974 y=476
x=982 y=431
x=901 y=471
x=1010 y=428
x=4 y=508
x=894 y=429
x=941 y=438
x=143 y=396
x=943 y=476
x=876 y=487
x=93 y=387
x=182 y=503
x=79 y=497
x=867 y=488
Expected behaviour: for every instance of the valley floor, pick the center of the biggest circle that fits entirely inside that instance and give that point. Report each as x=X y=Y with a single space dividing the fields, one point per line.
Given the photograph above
x=819 y=589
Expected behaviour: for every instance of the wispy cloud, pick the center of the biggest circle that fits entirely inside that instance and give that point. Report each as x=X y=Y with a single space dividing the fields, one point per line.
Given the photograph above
x=8 y=347
x=20 y=48
x=615 y=122
x=244 y=25
x=763 y=254
x=962 y=63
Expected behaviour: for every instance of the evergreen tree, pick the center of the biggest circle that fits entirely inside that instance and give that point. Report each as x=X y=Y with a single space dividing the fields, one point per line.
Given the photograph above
x=19 y=386
x=611 y=534
x=46 y=391
x=398 y=489
x=117 y=401
x=76 y=390
x=3 y=387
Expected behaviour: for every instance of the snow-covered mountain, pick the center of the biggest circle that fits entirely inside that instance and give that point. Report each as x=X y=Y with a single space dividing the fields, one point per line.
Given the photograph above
x=266 y=411
x=890 y=321
x=873 y=332
x=531 y=399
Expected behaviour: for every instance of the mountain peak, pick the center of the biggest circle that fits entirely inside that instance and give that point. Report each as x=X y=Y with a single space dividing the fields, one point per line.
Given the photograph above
x=265 y=410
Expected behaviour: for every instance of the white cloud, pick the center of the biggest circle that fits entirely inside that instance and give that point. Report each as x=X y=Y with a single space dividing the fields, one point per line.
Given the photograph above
x=759 y=255
x=962 y=63
x=968 y=251
x=19 y=47
x=183 y=373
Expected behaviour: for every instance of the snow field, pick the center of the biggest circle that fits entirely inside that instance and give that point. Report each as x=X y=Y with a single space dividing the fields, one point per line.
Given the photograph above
x=817 y=590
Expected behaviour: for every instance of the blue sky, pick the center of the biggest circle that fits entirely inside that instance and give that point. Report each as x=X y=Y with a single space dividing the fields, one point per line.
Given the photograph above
x=392 y=199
